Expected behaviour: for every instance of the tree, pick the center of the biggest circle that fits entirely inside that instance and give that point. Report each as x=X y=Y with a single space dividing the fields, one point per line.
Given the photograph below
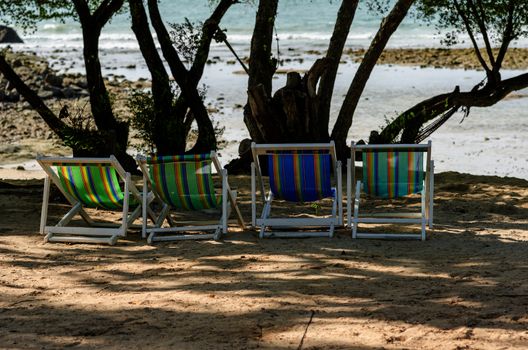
x=491 y=26
x=173 y=114
x=299 y=112
x=111 y=135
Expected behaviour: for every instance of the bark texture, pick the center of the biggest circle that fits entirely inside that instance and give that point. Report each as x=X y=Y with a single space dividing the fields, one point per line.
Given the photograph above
x=344 y=120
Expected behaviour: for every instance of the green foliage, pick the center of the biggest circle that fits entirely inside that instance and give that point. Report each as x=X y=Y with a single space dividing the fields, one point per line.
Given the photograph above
x=143 y=120
x=316 y=207
x=80 y=133
x=186 y=37
x=27 y=13
x=494 y=14
x=141 y=105
x=377 y=6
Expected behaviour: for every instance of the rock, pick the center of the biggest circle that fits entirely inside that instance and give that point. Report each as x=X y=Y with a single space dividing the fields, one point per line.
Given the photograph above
x=8 y=35
x=53 y=80
x=45 y=94
x=69 y=92
x=81 y=82
x=244 y=146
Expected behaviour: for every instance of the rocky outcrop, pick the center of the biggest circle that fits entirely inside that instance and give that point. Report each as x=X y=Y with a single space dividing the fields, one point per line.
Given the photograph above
x=9 y=36
x=21 y=125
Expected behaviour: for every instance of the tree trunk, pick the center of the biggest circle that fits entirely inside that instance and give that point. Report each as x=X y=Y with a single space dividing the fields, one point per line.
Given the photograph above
x=345 y=16
x=290 y=116
x=387 y=28
x=261 y=64
x=186 y=81
x=170 y=134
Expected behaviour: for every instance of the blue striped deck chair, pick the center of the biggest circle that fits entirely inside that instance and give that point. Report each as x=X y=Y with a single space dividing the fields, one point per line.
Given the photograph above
x=389 y=172
x=298 y=173
x=185 y=183
x=96 y=183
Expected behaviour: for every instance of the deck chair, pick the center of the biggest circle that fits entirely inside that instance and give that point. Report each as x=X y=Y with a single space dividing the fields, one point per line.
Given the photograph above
x=298 y=173
x=391 y=171
x=90 y=183
x=185 y=183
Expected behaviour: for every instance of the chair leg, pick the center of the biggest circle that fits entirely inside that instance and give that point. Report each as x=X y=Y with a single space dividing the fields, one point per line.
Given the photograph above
x=69 y=215
x=265 y=214
x=224 y=201
x=431 y=196
x=349 y=192
x=339 y=193
x=45 y=203
x=151 y=237
x=218 y=233
x=144 y=208
x=424 y=214
x=124 y=225
x=356 y=210
x=253 y=196
x=332 y=224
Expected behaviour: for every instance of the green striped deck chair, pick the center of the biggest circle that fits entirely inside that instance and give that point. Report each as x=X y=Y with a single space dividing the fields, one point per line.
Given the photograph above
x=185 y=183
x=298 y=173
x=389 y=172
x=89 y=183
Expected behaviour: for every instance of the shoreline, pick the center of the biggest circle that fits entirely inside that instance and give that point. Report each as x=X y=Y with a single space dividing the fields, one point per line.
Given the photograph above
x=391 y=88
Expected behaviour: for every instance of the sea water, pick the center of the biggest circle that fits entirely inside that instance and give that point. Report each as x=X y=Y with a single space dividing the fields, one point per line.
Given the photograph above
x=490 y=141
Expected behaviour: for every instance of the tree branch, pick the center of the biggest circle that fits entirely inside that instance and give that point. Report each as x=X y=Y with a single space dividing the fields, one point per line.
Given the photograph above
x=387 y=28
x=467 y=24
x=209 y=28
x=345 y=16
x=506 y=38
x=412 y=120
x=83 y=11
x=482 y=26
x=106 y=10
x=176 y=66
x=55 y=124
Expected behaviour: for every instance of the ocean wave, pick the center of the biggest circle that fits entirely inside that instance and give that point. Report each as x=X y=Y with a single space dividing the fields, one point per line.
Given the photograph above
x=127 y=40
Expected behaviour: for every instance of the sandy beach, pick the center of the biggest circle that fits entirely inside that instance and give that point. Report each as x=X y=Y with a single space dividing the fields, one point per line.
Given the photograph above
x=463 y=288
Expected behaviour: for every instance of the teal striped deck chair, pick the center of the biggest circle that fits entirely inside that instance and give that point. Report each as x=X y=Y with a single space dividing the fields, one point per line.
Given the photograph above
x=389 y=172
x=185 y=183
x=298 y=173
x=96 y=183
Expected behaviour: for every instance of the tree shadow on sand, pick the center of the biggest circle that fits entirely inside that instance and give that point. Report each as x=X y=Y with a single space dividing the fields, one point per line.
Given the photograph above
x=248 y=293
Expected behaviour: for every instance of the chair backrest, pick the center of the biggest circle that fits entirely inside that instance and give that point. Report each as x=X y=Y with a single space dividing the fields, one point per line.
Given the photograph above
x=183 y=181
x=298 y=172
x=92 y=181
x=391 y=171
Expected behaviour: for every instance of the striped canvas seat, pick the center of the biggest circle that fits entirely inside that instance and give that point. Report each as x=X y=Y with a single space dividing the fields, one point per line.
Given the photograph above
x=392 y=173
x=184 y=181
x=94 y=185
x=300 y=177
x=297 y=173
x=91 y=183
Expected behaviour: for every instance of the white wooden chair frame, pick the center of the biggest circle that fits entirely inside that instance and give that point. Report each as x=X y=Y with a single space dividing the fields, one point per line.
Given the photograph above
x=265 y=222
x=158 y=233
x=97 y=232
x=425 y=217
